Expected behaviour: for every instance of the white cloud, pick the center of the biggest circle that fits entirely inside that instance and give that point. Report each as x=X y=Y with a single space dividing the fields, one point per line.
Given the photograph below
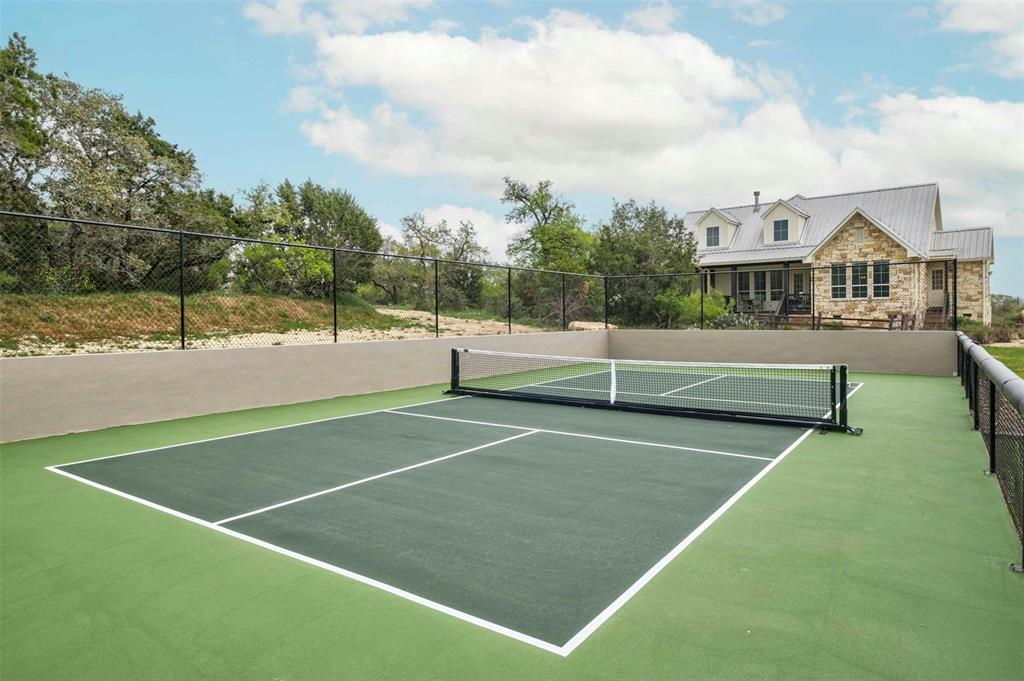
x=389 y=230
x=756 y=12
x=292 y=17
x=656 y=18
x=493 y=233
x=1003 y=51
x=443 y=26
x=302 y=99
x=764 y=43
x=623 y=113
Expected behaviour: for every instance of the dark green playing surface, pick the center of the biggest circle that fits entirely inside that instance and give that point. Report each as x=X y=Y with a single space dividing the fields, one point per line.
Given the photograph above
x=538 y=534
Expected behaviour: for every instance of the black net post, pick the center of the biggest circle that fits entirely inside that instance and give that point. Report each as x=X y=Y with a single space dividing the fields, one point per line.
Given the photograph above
x=334 y=289
x=181 y=288
x=955 y=296
x=437 y=301
x=455 y=369
x=843 y=383
x=833 y=413
x=565 y=323
x=510 y=300
x=606 y=301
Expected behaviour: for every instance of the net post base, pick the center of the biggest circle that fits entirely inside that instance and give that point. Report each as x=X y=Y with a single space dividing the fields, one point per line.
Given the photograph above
x=1017 y=567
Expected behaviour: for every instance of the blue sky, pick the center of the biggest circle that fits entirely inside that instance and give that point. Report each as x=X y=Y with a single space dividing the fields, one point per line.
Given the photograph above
x=419 y=106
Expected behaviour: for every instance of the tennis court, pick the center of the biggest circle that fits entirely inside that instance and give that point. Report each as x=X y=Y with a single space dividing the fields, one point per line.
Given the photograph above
x=537 y=521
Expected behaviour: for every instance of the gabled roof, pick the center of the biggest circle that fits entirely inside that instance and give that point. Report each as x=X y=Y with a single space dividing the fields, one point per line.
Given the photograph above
x=911 y=251
x=787 y=204
x=909 y=213
x=973 y=243
x=722 y=214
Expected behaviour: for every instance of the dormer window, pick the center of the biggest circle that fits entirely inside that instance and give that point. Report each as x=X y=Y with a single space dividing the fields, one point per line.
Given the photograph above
x=712 y=236
x=780 y=230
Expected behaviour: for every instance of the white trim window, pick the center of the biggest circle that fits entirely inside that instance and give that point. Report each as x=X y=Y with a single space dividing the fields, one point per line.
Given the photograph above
x=713 y=236
x=939 y=280
x=759 y=285
x=838 y=281
x=780 y=230
x=743 y=285
x=775 y=282
x=859 y=280
x=880 y=279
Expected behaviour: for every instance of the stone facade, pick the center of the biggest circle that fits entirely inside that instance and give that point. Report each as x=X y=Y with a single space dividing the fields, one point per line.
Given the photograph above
x=974 y=297
x=863 y=294
x=860 y=241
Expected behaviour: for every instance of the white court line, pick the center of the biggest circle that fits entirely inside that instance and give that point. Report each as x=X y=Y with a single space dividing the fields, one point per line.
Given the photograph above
x=584 y=435
x=692 y=385
x=261 y=430
x=433 y=605
x=385 y=474
x=614 y=606
x=563 y=650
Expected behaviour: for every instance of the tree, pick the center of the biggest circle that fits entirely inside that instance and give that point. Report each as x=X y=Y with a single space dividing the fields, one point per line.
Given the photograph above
x=647 y=239
x=553 y=236
x=308 y=214
x=410 y=282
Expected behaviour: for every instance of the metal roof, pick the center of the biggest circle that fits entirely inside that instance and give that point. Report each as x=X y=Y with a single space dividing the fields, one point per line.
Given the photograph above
x=910 y=212
x=974 y=243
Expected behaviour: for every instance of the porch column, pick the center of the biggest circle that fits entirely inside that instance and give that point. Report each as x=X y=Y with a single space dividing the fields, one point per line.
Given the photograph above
x=734 y=280
x=785 y=288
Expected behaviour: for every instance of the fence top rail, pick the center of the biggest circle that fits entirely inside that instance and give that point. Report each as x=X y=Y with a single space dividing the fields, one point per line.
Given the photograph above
x=288 y=244
x=420 y=258
x=1005 y=380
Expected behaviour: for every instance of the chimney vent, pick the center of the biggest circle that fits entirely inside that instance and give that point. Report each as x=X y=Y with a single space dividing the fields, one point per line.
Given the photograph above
x=757 y=202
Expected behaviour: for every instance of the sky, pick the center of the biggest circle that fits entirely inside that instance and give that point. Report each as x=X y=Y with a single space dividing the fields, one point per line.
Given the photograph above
x=414 y=105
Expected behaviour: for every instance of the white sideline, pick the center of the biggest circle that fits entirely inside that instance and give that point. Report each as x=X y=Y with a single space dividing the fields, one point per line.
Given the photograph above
x=584 y=435
x=261 y=430
x=614 y=606
x=692 y=385
x=385 y=474
x=433 y=605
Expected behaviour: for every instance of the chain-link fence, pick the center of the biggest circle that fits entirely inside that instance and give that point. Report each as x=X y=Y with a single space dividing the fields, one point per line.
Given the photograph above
x=996 y=401
x=71 y=286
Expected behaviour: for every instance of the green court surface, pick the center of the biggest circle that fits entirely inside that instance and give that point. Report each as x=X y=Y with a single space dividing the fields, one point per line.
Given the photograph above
x=474 y=538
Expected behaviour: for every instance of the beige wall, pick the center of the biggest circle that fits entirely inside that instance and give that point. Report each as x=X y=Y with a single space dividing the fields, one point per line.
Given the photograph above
x=903 y=352
x=55 y=395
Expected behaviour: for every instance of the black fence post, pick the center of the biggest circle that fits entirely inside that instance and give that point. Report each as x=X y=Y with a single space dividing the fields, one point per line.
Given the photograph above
x=565 y=323
x=977 y=400
x=510 y=300
x=956 y=312
x=702 y=281
x=437 y=301
x=181 y=288
x=334 y=289
x=606 y=301
x=992 y=427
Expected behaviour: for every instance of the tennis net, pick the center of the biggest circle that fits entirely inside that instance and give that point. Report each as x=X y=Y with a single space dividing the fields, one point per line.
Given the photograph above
x=807 y=395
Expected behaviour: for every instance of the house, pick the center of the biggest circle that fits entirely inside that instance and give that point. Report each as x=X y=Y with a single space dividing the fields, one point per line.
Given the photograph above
x=857 y=257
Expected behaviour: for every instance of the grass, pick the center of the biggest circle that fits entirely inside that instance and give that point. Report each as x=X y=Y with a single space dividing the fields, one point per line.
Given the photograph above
x=881 y=557
x=1013 y=358
x=154 y=316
